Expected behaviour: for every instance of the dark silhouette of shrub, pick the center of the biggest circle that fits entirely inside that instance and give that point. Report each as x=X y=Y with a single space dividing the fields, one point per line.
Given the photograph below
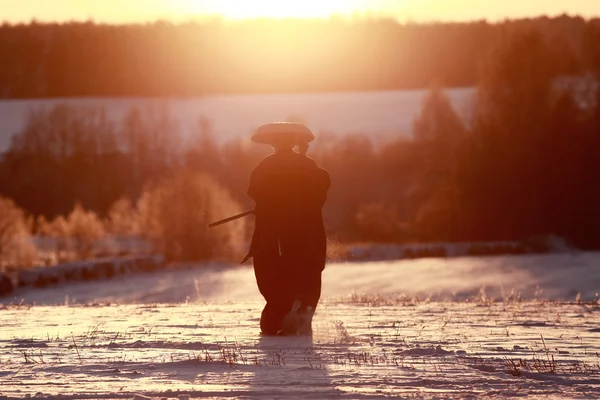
x=175 y=213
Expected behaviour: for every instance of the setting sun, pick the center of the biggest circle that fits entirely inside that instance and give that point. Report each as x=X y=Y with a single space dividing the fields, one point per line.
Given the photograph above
x=233 y=9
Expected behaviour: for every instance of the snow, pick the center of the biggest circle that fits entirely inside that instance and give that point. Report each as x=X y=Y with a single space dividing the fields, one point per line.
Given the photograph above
x=377 y=113
x=428 y=328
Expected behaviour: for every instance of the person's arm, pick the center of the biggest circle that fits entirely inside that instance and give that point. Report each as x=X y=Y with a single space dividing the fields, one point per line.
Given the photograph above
x=258 y=188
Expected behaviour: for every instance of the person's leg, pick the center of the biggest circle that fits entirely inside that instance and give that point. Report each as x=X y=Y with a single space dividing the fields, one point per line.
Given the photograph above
x=277 y=287
x=309 y=296
x=270 y=319
x=265 y=271
x=274 y=319
x=309 y=290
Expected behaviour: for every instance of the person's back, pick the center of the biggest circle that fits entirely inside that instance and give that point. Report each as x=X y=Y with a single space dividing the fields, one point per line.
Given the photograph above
x=289 y=242
x=289 y=191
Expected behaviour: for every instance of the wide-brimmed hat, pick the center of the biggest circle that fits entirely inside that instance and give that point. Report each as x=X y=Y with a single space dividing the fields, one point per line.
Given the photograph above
x=283 y=132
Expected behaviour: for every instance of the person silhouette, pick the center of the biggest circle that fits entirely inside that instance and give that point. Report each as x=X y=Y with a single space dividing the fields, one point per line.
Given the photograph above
x=289 y=243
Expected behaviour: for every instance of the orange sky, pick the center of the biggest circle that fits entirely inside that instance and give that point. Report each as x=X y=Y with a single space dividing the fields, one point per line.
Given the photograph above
x=120 y=11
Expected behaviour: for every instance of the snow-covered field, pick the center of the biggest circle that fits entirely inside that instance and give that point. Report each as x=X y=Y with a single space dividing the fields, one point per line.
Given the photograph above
x=376 y=113
x=431 y=328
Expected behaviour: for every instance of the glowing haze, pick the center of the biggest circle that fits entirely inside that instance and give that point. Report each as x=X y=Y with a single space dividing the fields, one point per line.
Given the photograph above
x=122 y=11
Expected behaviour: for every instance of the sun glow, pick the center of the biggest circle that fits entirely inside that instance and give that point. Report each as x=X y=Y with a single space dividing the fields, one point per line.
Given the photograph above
x=248 y=9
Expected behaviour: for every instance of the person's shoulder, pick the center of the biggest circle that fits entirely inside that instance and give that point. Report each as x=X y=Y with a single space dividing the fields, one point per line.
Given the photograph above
x=322 y=175
x=317 y=171
x=265 y=162
x=325 y=177
x=274 y=164
x=307 y=161
x=316 y=166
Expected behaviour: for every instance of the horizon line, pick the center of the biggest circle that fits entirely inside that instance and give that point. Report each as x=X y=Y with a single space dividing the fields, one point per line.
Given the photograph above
x=355 y=17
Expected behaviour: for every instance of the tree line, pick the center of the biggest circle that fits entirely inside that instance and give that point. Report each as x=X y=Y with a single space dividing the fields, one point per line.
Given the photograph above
x=211 y=56
x=525 y=165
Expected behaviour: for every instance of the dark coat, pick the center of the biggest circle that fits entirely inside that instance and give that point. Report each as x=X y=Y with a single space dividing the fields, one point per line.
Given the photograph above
x=289 y=191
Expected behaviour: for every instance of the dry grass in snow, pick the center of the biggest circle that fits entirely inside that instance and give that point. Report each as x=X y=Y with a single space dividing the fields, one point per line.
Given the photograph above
x=387 y=340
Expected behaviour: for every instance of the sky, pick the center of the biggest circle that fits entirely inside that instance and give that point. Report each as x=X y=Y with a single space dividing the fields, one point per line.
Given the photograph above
x=124 y=11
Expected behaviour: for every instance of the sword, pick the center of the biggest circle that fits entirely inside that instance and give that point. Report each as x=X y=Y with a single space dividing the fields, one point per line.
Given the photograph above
x=226 y=220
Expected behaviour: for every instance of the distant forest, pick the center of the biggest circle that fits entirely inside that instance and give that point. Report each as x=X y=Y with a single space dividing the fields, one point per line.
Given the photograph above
x=527 y=165
x=198 y=58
